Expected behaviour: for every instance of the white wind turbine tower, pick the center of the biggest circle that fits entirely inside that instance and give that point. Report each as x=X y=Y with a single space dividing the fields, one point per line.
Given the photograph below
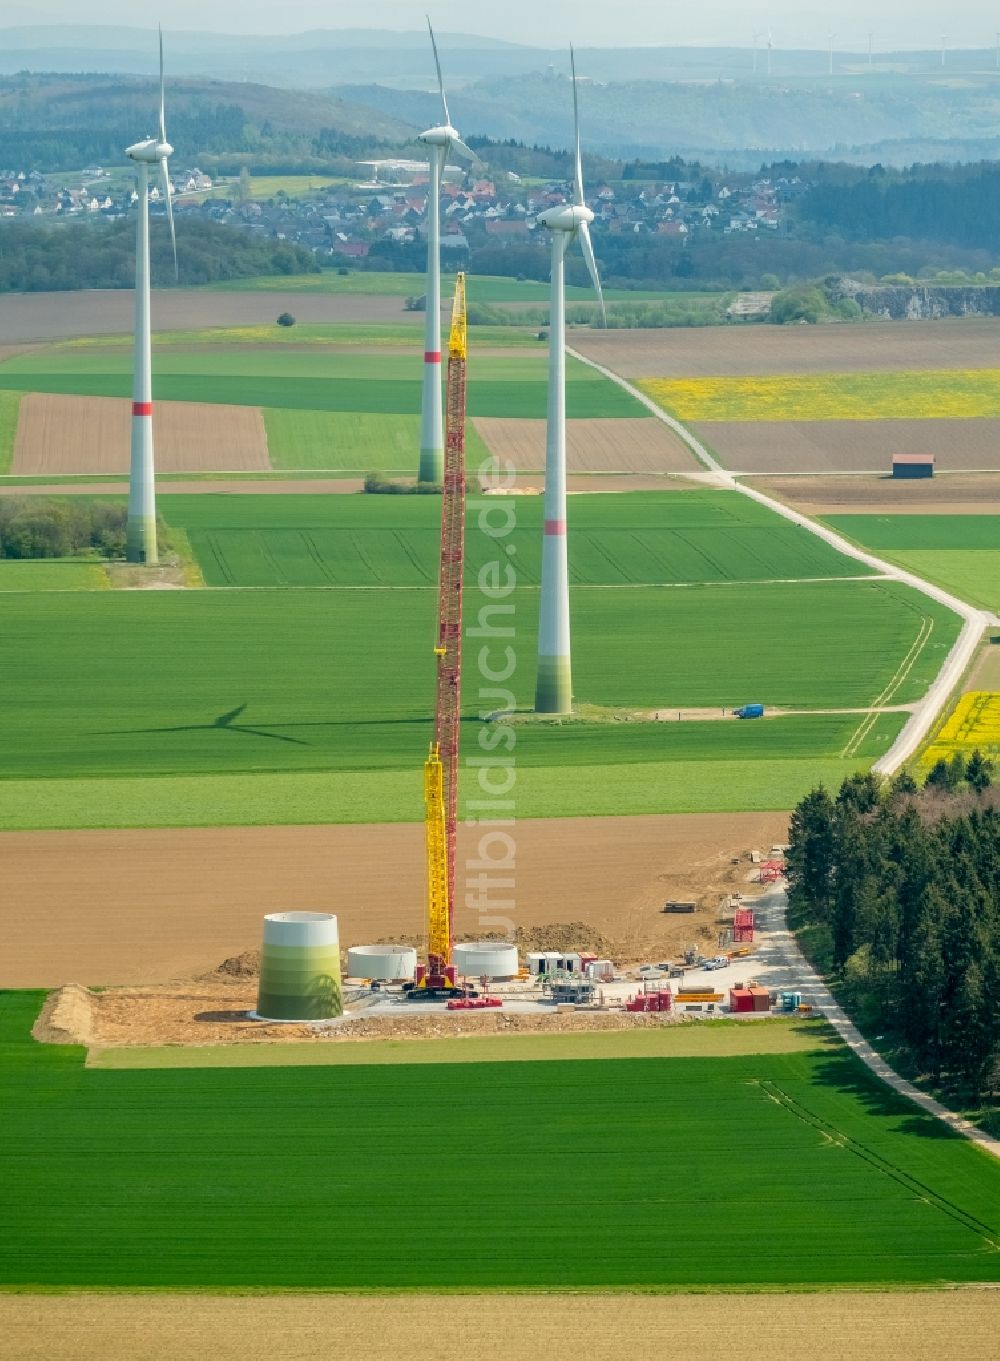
x=832 y=37
x=439 y=142
x=770 y=49
x=554 y=682
x=141 y=532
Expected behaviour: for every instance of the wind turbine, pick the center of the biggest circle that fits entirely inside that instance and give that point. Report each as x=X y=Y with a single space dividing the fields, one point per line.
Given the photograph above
x=140 y=542
x=871 y=39
x=770 y=48
x=944 y=48
x=756 y=40
x=566 y=222
x=832 y=38
x=439 y=142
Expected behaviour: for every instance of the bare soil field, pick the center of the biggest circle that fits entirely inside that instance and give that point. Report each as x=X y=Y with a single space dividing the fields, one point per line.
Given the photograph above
x=954 y=494
x=61 y=316
x=570 y=1327
x=137 y=907
x=57 y=433
x=850 y=446
x=639 y=445
x=723 y=350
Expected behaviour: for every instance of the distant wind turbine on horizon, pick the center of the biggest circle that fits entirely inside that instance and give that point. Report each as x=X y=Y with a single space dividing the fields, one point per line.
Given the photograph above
x=566 y=222
x=141 y=545
x=440 y=141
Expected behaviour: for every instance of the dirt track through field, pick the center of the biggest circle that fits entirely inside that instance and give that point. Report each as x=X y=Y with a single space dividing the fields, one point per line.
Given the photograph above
x=57 y=434
x=94 y=312
x=849 y=446
x=631 y=445
x=924 y=1326
x=956 y=494
x=744 y=350
x=148 y=906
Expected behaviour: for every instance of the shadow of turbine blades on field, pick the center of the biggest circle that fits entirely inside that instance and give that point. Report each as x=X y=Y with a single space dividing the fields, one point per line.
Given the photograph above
x=225 y=723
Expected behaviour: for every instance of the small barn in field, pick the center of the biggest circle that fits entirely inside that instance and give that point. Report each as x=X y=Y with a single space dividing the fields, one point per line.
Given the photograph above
x=913 y=465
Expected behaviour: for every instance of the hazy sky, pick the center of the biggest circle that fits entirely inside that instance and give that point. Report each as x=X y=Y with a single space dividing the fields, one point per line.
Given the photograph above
x=969 y=23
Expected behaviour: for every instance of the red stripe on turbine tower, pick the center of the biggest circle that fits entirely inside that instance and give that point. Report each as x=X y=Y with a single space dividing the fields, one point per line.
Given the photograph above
x=432 y=356
x=555 y=526
x=142 y=408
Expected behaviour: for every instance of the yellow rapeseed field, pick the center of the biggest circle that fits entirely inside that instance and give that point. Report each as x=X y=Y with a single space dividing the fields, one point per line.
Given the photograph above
x=941 y=394
x=974 y=722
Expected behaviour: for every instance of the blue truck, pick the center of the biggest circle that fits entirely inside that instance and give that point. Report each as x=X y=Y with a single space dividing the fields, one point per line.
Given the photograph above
x=750 y=711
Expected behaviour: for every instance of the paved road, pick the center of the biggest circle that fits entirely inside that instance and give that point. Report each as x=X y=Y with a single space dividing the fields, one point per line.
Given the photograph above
x=779 y=959
x=976 y=621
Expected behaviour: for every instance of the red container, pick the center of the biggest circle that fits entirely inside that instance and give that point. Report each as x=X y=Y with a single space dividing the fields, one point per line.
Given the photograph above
x=741 y=999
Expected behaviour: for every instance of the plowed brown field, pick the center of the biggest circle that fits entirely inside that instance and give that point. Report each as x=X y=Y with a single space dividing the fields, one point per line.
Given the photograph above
x=850 y=446
x=147 y=906
x=956 y=494
x=553 y=1327
x=95 y=312
x=66 y=434
x=739 y=350
x=631 y=445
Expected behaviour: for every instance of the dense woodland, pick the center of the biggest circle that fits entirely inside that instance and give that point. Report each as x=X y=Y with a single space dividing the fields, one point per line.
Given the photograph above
x=35 y=257
x=898 y=893
x=45 y=527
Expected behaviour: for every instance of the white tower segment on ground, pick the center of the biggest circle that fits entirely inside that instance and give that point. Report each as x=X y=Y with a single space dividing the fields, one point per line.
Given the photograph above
x=141 y=533
x=554 y=683
x=439 y=142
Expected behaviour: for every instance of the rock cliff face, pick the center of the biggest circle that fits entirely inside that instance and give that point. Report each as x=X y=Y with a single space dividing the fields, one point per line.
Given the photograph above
x=898 y=303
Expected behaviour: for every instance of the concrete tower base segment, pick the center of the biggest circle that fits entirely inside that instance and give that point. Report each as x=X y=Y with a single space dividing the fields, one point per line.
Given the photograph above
x=299 y=968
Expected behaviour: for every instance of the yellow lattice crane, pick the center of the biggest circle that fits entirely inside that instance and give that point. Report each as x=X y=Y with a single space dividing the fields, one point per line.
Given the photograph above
x=441 y=766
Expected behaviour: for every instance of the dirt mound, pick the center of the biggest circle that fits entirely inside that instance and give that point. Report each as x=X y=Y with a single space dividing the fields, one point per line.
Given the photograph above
x=67 y=1017
x=245 y=965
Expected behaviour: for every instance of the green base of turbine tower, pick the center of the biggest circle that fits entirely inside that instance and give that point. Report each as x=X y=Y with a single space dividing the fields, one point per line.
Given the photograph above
x=554 y=686
x=431 y=466
x=140 y=542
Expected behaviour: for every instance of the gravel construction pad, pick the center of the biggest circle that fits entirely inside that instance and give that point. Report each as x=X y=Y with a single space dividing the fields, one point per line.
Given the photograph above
x=57 y=433
x=556 y=1327
x=628 y=445
x=955 y=494
x=850 y=446
x=137 y=907
x=733 y=350
x=60 y=316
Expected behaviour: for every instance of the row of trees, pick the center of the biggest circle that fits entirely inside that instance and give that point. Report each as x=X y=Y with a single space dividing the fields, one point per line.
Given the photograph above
x=47 y=527
x=954 y=204
x=69 y=255
x=900 y=893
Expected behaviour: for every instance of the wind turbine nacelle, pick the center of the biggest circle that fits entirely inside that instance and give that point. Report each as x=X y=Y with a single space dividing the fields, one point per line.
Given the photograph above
x=565 y=217
x=444 y=136
x=150 y=150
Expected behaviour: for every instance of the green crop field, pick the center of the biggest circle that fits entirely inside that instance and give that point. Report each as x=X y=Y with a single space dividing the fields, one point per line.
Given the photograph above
x=317 y=381
x=277 y=1177
x=9 y=405
x=486 y=288
x=961 y=553
x=361 y=541
x=356 y=441
x=62 y=574
x=371 y=335
x=203 y=692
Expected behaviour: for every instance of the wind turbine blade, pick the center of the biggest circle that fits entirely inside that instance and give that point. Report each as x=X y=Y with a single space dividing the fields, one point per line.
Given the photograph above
x=464 y=151
x=168 y=195
x=578 y=167
x=163 y=111
x=587 y=246
x=437 y=63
